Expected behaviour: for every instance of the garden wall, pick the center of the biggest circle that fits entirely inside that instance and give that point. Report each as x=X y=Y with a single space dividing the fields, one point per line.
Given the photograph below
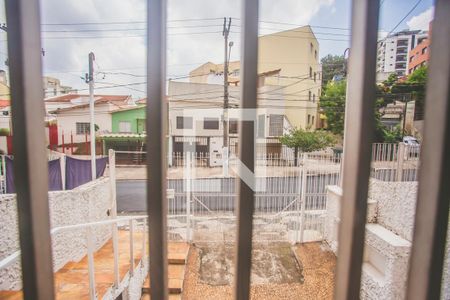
x=87 y=203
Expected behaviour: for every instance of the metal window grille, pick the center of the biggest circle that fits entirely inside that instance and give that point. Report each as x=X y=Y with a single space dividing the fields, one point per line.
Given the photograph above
x=82 y=127
x=276 y=125
x=434 y=192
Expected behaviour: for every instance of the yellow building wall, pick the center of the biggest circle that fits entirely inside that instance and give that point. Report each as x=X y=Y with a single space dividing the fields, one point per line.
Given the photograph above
x=4 y=92
x=293 y=51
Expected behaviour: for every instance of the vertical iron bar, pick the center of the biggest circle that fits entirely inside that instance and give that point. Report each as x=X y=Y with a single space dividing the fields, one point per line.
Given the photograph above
x=156 y=143
x=30 y=162
x=91 y=268
x=432 y=208
x=359 y=127
x=246 y=197
x=131 y=224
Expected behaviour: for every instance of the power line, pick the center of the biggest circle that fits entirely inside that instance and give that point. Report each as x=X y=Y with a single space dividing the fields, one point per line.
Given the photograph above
x=125 y=22
x=121 y=36
x=409 y=12
x=127 y=29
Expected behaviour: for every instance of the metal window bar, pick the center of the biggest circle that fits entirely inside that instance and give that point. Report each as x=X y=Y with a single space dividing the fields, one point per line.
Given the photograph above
x=24 y=50
x=432 y=210
x=246 y=197
x=156 y=143
x=359 y=126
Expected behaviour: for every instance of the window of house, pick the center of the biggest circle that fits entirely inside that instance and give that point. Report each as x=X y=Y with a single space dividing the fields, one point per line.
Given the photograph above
x=315 y=54
x=411 y=58
x=312 y=120
x=233 y=126
x=315 y=76
x=124 y=126
x=314 y=97
x=424 y=50
x=309 y=119
x=184 y=122
x=312 y=47
x=82 y=127
x=261 y=126
x=211 y=123
x=141 y=125
x=309 y=95
x=310 y=72
x=276 y=125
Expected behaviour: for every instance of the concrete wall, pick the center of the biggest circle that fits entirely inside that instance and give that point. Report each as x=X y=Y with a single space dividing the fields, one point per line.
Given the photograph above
x=86 y=203
x=389 y=232
x=396 y=205
x=333 y=215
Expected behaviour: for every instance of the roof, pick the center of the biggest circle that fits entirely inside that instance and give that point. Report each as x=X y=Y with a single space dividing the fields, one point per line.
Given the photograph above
x=4 y=103
x=81 y=101
x=128 y=108
x=83 y=98
x=121 y=135
x=141 y=101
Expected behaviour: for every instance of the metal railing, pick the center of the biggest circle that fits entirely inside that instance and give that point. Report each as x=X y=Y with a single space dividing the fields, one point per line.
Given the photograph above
x=10 y=259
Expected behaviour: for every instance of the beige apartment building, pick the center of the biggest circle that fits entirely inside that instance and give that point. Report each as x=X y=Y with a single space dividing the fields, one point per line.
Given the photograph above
x=290 y=60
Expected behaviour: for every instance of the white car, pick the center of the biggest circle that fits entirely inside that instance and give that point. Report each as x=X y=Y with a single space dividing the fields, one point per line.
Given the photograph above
x=411 y=141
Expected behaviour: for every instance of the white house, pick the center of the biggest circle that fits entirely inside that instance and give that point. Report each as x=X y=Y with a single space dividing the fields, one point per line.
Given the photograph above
x=72 y=114
x=196 y=114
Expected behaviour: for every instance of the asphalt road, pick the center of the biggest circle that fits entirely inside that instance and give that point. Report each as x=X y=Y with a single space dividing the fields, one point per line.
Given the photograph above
x=131 y=195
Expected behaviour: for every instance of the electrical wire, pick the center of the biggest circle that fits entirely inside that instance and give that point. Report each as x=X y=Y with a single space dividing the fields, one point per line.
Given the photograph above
x=409 y=12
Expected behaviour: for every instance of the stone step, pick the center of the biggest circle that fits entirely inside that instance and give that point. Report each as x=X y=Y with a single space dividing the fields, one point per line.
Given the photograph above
x=72 y=281
x=176 y=279
x=171 y=297
x=177 y=253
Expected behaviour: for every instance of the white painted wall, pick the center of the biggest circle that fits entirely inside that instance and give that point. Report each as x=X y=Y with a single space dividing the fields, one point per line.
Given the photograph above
x=67 y=121
x=87 y=203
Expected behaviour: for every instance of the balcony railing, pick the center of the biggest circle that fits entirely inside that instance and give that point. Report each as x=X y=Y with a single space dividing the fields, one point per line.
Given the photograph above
x=24 y=49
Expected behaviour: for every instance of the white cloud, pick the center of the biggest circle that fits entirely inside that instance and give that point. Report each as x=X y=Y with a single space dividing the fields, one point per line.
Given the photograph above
x=67 y=59
x=421 y=21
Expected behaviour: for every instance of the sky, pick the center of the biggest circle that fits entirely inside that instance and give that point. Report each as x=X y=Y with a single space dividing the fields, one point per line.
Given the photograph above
x=114 y=30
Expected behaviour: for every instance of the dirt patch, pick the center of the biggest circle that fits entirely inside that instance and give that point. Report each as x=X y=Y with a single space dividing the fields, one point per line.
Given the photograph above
x=271 y=263
x=314 y=281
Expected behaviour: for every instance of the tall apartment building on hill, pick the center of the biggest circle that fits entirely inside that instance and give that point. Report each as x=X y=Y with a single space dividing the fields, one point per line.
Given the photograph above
x=288 y=60
x=392 y=55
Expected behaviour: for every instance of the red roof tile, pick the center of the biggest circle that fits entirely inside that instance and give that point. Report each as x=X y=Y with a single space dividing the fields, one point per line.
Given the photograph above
x=4 y=103
x=98 y=98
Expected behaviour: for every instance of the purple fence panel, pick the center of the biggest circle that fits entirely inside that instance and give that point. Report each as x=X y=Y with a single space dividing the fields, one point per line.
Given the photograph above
x=78 y=171
x=54 y=175
x=10 y=188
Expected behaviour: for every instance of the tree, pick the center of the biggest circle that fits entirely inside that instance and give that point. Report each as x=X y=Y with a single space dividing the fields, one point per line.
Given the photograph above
x=332 y=103
x=307 y=141
x=96 y=128
x=332 y=65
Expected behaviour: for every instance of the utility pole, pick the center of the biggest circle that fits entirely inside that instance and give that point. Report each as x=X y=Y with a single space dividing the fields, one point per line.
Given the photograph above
x=90 y=81
x=225 y=32
x=405 y=108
